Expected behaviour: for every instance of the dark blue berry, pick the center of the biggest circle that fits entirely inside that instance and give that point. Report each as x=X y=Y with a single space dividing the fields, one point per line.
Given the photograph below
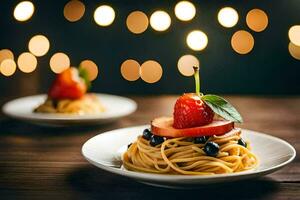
x=129 y=145
x=147 y=134
x=211 y=149
x=242 y=142
x=200 y=140
x=156 y=140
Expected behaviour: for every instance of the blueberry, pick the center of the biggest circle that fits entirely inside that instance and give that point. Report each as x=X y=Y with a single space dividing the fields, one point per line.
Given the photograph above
x=156 y=140
x=242 y=142
x=54 y=103
x=211 y=149
x=200 y=140
x=129 y=145
x=147 y=134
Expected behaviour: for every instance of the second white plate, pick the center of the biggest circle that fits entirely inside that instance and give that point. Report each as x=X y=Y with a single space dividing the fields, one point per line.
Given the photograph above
x=22 y=108
x=105 y=151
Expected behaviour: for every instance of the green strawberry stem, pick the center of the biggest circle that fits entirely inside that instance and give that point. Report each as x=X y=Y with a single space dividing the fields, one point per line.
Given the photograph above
x=197 y=80
x=83 y=73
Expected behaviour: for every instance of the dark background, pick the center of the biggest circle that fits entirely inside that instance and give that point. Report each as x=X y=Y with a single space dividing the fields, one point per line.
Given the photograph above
x=268 y=69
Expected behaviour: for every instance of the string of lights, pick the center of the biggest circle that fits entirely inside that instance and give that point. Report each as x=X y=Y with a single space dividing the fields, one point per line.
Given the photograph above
x=137 y=22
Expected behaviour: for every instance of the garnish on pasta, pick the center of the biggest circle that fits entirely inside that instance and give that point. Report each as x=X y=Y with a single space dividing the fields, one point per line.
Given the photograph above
x=68 y=94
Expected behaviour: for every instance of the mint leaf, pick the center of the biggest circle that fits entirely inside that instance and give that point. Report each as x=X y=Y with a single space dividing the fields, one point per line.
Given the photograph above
x=222 y=107
x=83 y=73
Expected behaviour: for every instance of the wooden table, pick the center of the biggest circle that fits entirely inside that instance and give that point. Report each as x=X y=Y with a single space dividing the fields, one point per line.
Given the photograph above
x=46 y=163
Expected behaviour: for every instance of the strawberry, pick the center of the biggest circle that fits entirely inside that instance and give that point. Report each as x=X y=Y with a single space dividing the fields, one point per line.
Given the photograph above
x=190 y=111
x=68 y=85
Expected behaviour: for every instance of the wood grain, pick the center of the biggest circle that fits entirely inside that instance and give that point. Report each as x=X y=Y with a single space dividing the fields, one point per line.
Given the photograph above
x=46 y=163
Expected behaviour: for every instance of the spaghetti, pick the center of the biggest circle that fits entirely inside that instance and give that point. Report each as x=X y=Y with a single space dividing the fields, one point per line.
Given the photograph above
x=183 y=156
x=88 y=104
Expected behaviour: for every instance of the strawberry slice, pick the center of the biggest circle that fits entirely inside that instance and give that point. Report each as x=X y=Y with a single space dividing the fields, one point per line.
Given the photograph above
x=68 y=85
x=163 y=126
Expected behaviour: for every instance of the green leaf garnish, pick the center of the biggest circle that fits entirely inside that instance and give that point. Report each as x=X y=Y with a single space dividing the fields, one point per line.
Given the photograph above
x=222 y=107
x=83 y=73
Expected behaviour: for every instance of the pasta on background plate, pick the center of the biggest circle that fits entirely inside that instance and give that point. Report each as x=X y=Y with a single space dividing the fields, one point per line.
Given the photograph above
x=68 y=94
x=89 y=104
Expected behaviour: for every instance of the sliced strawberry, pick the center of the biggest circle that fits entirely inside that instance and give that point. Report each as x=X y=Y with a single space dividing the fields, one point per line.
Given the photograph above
x=163 y=126
x=68 y=85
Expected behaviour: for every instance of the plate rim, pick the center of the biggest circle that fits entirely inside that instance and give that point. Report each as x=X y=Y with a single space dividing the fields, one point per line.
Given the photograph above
x=65 y=118
x=166 y=177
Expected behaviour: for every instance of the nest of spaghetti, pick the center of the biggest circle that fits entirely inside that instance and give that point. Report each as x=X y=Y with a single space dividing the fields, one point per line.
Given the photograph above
x=206 y=155
x=88 y=104
x=68 y=94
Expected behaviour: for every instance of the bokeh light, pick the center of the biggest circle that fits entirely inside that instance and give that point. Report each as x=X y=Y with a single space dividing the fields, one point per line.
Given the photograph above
x=185 y=10
x=242 y=42
x=104 y=15
x=160 y=20
x=294 y=51
x=294 y=34
x=23 y=11
x=39 y=45
x=228 y=17
x=91 y=68
x=137 y=22
x=59 y=62
x=6 y=54
x=74 y=10
x=197 y=40
x=151 y=71
x=27 y=62
x=257 y=20
x=8 y=67
x=130 y=70
x=186 y=63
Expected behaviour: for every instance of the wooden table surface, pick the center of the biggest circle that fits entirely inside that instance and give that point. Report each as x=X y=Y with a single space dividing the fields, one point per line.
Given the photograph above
x=46 y=163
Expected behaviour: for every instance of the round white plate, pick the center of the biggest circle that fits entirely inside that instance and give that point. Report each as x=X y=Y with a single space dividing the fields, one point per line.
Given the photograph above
x=22 y=108
x=105 y=151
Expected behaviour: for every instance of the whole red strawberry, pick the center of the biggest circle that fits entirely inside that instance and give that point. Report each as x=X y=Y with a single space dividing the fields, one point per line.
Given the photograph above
x=190 y=111
x=68 y=85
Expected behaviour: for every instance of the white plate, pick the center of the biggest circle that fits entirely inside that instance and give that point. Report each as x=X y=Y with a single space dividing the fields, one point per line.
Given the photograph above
x=105 y=150
x=22 y=108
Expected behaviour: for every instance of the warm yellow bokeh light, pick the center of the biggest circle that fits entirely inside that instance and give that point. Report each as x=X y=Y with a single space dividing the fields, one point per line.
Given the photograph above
x=39 y=45
x=186 y=63
x=6 y=54
x=27 y=62
x=104 y=15
x=8 y=67
x=294 y=34
x=228 y=17
x=197 y=40
x=257 y=20
x=74 y=10
x=294 y=51
x=242 y=42
x=130 y=70
x=151 y=71
x=137 y=22
x=23 y=11
x=91 y=68
x=185 y=10
x=59 y=62
x=160 y=20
